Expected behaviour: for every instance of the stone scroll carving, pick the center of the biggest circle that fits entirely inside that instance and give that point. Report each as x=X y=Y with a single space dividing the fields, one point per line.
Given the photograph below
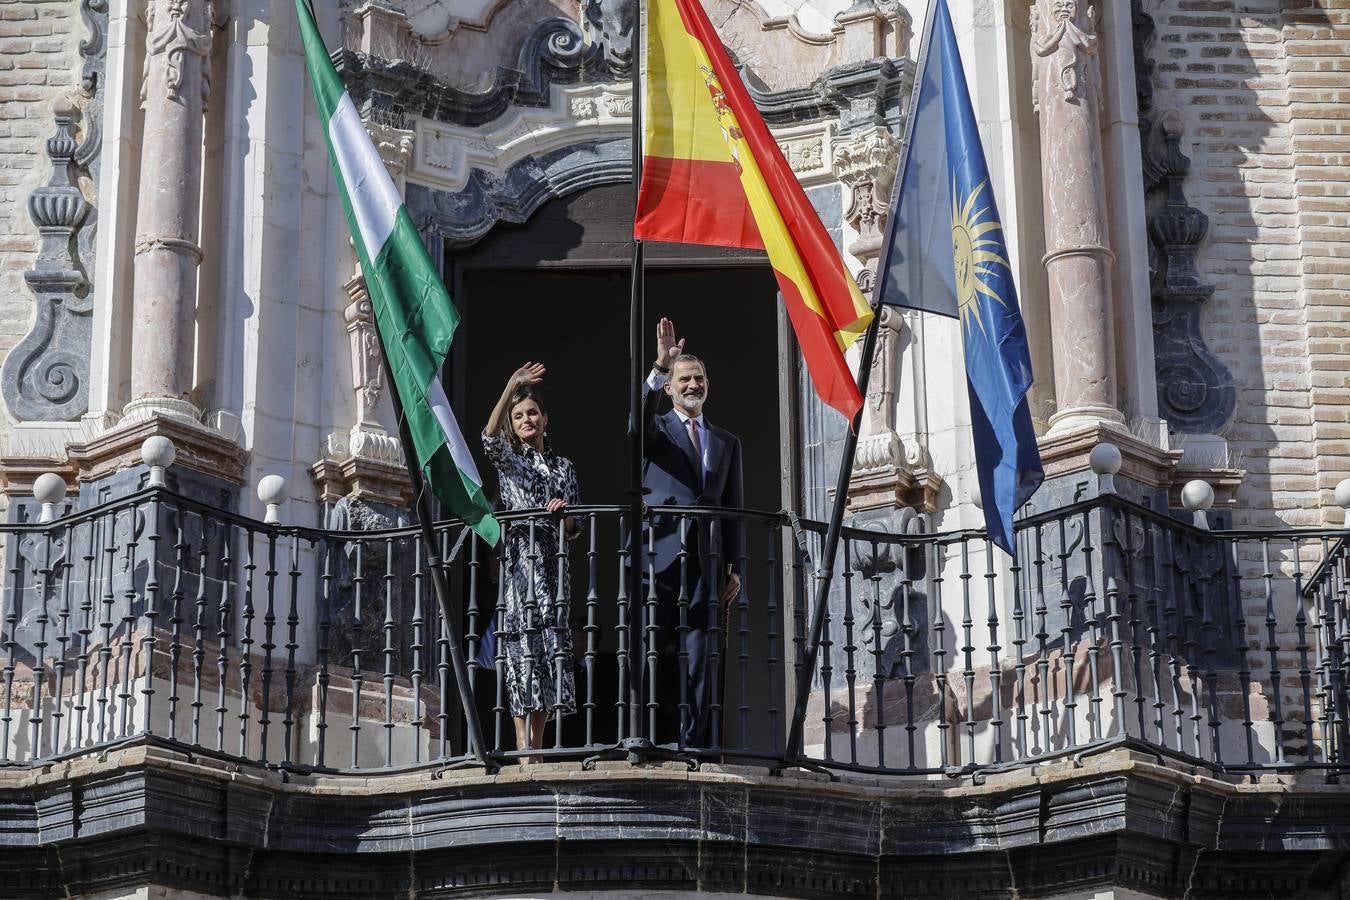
x=1196 y=391
x=46 y=377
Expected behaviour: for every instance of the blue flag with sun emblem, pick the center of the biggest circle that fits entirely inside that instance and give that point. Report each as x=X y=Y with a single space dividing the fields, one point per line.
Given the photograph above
x=944 y=253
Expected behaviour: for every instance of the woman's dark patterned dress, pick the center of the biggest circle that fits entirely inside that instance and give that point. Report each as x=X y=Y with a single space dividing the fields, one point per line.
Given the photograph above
x=534 y=632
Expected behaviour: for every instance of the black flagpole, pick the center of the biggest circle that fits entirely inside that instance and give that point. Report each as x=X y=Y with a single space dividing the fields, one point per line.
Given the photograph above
x=449 y=611
x=826 y=570
x=422 y=510
x=635 y=378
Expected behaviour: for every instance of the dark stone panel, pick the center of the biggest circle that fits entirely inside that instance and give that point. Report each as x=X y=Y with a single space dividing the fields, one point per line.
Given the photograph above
x=947 y=875
x=659 y=811
x=958 y=826
x=809 y=821
x=300 y=824
x=520 y=813
x=651 y=863
x=721 y=867
x=212 y=834
x=19 y=819
x=813 y=875
x=470 y=872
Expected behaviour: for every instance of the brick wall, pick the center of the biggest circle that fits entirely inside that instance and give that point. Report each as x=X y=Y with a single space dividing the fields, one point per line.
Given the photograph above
x=1268 y=133
x=1317 y=64
x=39 y=61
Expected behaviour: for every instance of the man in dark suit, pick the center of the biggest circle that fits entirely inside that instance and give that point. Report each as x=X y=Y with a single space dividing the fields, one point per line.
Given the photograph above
x=688 y=462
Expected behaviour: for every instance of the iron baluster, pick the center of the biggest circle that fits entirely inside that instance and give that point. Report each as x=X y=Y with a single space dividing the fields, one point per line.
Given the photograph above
x=995 y=652
x=247 y=615
x=358 y=627
x=326 y=601
x=850 y=651
x=292 y=645
x=1094 y=646
x=1304 y=670
x=968 y=651
x=387 y=629
x=939 y=620
x=1273 y=648
x=181 y=556
x=418 y=645
x=592 y=627
x=268 y=643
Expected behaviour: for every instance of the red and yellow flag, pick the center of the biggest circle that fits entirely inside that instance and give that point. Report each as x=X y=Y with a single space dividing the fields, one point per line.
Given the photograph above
x=713 y=174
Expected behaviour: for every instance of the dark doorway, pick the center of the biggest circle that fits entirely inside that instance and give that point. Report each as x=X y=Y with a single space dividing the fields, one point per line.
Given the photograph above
x=556 y=291
x=576 y=324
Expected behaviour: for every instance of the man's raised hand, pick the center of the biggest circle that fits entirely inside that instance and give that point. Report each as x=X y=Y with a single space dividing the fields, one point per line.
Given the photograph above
x=667 y=347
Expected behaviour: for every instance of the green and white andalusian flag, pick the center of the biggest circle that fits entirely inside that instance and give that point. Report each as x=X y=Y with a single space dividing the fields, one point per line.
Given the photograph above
x=412 y=308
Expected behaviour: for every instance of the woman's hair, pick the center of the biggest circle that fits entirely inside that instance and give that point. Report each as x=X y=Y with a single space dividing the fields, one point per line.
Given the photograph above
x=521 y=394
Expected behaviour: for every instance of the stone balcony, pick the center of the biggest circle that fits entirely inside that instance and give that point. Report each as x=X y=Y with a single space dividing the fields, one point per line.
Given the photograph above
x=194 y=701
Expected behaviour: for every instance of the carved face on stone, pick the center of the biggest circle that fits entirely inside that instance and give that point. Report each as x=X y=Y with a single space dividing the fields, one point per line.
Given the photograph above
x=1064 y=10
x=610 y=24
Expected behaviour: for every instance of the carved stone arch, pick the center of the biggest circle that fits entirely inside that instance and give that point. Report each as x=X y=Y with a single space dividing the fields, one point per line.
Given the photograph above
x=457 y=220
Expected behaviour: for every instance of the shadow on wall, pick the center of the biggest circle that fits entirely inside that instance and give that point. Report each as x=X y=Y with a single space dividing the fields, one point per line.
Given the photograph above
x=1230 y=323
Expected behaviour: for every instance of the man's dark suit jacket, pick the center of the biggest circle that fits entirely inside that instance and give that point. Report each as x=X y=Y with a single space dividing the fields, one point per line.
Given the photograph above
x=671 y=475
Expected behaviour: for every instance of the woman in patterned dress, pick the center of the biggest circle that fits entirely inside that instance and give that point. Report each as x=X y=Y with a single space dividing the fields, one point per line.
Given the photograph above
x=534 y=632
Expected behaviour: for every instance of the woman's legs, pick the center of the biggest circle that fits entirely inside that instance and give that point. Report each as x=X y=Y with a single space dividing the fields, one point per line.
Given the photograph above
x=538 y=718
x=522 y=737
x=533 y=738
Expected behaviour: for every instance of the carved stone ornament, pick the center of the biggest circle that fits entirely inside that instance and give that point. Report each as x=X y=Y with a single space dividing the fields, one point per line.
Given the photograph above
x=609 y=27
x=619 y=106
x=1064 y=49
x=1196 y=391
x=866 y=166
x=170 y=35
x=804 y=154
x=46 y=377
x=367 y=364
x=395 y=146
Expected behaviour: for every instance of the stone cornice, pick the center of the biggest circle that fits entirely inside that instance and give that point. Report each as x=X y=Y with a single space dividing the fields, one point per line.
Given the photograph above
x=143 y=815
x=198 y=448
x=858 y=94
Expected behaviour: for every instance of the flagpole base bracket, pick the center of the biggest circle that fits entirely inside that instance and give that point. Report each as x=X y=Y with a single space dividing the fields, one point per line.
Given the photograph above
x=637 y=751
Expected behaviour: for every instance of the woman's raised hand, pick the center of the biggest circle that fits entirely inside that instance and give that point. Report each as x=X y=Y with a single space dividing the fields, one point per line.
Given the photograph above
x=530 y=373
x=555 y=505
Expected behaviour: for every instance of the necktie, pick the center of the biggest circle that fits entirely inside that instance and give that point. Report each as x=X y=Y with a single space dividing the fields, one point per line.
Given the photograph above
x=698 y=446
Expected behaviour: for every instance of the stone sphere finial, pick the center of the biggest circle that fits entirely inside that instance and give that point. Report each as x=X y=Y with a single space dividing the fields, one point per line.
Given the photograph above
x=272 y=491
x=1343 y=497
x=1198 y=496
x=1105 y=461
x=158 y=452
x=49 y=489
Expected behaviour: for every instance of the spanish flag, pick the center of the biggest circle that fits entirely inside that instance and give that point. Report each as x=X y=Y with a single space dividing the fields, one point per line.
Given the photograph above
x=713 y=174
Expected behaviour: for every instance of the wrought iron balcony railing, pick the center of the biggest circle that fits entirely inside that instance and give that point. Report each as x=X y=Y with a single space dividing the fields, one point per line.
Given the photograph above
x=156 y=617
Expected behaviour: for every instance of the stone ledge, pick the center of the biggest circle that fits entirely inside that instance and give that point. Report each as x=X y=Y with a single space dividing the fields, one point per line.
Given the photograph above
x=148 y=815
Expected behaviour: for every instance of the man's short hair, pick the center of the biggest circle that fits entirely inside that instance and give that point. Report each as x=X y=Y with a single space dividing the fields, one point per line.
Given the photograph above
x=689 y=358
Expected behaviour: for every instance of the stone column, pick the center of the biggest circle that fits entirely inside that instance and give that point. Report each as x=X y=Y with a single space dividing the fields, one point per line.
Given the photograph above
x=887 y=473
x=173 y=92
x=1067 y=96
x=362 y=469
